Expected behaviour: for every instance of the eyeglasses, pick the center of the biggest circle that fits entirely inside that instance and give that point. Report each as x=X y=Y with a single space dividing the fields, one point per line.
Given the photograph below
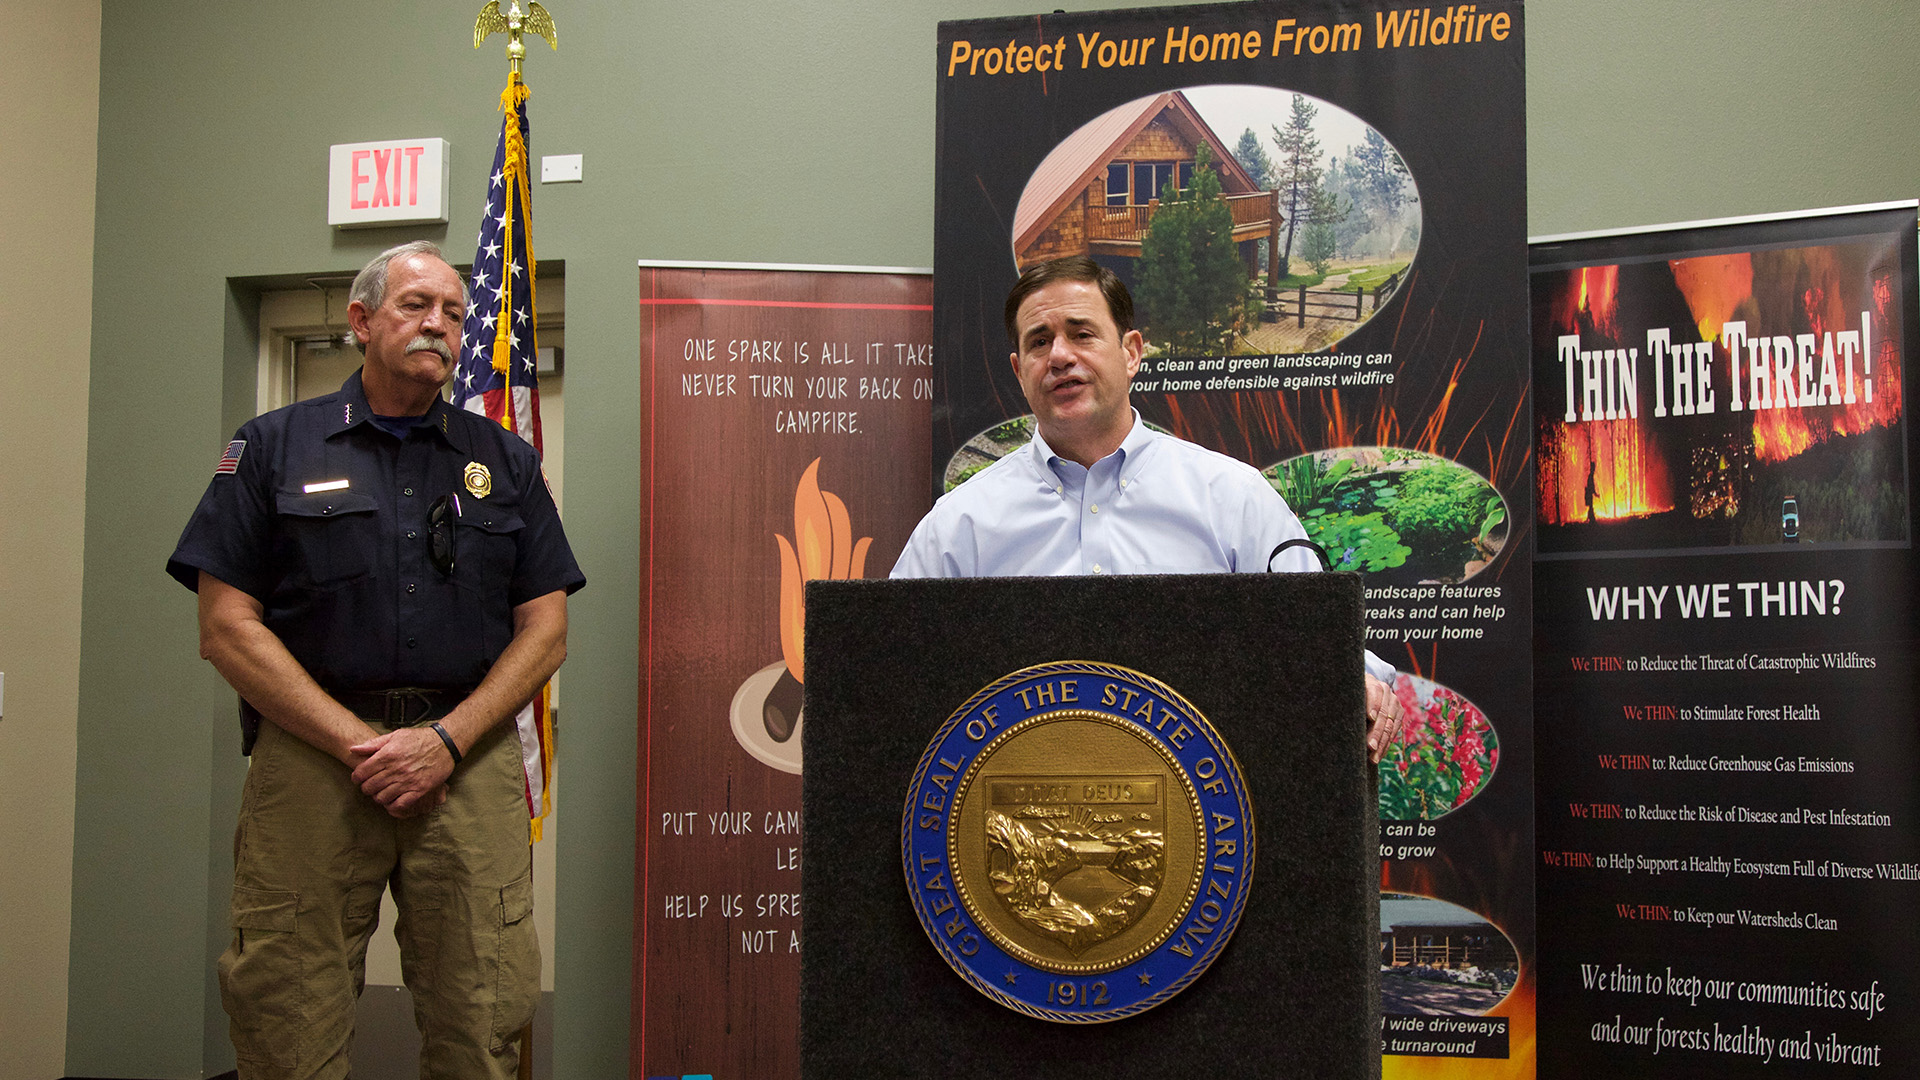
x=440 y=518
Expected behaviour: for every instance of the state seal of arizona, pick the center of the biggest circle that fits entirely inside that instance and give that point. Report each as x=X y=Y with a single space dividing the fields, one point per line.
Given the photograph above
x=1078 y=842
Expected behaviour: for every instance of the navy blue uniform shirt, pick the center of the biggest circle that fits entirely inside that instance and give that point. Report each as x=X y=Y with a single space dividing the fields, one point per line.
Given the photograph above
x=345 y=573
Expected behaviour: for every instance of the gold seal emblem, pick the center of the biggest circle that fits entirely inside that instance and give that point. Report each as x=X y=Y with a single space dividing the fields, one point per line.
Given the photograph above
x=1071 y=827
x=479 y=480
x=1078 y=842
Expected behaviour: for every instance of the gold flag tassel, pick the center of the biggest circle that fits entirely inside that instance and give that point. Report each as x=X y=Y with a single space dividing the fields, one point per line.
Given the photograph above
x=514 y=172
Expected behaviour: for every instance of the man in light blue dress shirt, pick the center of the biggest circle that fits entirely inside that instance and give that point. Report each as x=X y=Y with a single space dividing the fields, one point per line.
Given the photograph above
x=1097 y=491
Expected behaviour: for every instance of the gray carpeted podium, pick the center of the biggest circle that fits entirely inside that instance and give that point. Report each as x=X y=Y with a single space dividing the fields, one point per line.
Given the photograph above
x=1273 y=661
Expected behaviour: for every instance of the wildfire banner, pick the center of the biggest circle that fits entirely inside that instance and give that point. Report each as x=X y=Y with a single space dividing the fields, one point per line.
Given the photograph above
x=1725 y=633
x=784 y=439
x=1319 y=208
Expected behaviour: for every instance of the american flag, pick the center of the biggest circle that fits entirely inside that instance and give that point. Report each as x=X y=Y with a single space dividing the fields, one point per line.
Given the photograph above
x=498 y=341
x=497 y=376
x=230 y=459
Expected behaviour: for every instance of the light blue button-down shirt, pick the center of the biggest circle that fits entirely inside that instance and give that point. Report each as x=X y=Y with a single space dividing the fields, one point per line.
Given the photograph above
x=1157 y=505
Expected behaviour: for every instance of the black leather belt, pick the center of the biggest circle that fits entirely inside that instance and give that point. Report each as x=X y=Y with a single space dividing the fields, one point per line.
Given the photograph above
x=402 y=706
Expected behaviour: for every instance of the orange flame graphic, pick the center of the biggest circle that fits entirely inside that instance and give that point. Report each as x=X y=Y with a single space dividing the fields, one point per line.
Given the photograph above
x=1595 y=293
x=1715 y=286
x=1626 y=472
x=1600 y=470
x=1809 y=284
x=1600 y=298
x=822 y=547
x=1779 y=434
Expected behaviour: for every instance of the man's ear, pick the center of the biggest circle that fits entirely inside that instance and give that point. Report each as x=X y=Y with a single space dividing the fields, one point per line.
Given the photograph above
x=357 y=319
x=1133 y=345
x=1014 y=359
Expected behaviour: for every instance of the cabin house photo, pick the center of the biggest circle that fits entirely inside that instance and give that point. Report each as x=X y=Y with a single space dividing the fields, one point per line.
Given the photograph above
x=1096 y=193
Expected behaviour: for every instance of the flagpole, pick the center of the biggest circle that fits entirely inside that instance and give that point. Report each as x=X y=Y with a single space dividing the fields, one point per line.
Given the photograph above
x=498 y=371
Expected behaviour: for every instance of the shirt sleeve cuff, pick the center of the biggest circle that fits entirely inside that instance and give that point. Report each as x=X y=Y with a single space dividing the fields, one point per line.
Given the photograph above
x=1379 y=668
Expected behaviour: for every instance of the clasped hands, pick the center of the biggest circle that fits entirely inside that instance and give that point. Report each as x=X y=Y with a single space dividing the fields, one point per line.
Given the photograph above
x=405 y=771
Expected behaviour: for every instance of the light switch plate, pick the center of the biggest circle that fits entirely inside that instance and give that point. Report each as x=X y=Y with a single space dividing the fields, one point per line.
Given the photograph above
x=560 y=169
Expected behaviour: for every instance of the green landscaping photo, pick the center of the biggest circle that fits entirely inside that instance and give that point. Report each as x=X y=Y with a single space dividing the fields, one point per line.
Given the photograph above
x=1402 y=517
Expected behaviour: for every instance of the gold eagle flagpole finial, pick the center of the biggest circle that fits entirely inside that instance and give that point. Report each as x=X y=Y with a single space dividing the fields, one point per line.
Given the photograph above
x=535 y=21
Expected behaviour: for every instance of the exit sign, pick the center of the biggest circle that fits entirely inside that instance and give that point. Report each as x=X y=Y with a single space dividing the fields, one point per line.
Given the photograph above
x=397 y=182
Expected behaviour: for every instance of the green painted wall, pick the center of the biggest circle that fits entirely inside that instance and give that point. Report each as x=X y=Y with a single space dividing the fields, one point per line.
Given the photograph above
x=1648 y=111
x=796 y=132
x=46 y=293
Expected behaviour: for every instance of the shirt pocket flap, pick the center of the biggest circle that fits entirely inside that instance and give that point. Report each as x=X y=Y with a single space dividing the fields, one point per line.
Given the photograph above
x=323 y=504
x=497 y=522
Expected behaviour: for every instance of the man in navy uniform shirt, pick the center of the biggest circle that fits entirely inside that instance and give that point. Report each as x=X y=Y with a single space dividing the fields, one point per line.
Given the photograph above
x=384 y=580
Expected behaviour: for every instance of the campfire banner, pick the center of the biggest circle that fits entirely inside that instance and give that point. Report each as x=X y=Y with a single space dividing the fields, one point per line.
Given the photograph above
x=1725 y=648
x=783 y=439
x=1320 y=210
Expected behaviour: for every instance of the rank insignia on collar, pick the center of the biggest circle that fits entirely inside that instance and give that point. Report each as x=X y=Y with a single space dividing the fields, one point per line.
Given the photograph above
x=1078 y=842
x=479 y=480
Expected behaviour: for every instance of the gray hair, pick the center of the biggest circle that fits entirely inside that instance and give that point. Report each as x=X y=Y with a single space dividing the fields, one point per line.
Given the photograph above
x=370 y=285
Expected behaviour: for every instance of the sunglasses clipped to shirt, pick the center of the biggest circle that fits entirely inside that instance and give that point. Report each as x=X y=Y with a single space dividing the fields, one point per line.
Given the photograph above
x=440 y=532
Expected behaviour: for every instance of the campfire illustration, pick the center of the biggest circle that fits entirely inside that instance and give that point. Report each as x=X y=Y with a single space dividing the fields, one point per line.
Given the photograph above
x=766 y=714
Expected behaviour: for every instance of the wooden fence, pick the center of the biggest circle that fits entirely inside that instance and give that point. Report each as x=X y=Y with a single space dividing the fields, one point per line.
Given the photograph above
x=1332 y=303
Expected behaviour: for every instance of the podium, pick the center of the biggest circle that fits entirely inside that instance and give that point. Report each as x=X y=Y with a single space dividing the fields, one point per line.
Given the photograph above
x=1273 y=661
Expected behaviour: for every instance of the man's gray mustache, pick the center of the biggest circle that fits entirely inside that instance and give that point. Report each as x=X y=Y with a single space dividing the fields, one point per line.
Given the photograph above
x=430 y=344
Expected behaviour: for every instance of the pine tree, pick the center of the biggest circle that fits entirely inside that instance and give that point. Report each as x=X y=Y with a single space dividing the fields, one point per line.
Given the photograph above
x=1320 y=243
x=1317 y=245
x=1191 y=286
x=1297 y=171
x=1382 y=174
x=1380 y=191
x=1253 y=158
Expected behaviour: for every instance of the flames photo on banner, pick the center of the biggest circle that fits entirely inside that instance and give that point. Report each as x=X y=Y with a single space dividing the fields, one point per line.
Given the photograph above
x=783 y=438
x=1725 y=665
x=1320 y=210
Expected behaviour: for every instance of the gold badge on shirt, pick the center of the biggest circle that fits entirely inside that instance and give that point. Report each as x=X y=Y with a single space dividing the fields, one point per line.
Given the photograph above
x=479 y=480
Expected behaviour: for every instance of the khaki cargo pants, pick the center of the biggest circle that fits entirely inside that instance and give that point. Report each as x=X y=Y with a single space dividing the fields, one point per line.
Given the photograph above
x=312 y=855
